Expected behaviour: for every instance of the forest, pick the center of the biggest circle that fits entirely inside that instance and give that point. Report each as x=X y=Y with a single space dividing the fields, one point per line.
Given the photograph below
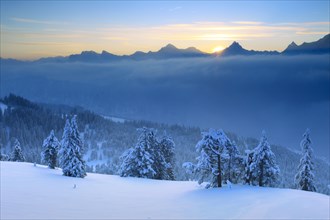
x=105 y=140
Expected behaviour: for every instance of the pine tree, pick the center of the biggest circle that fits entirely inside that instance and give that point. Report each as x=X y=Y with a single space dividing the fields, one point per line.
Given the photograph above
x=4 y=157
x=264 y=170
x=71 y=159
x=233 y=164
x=17 y=154
x=304 y=179
x=138 y=161
x=247 y=165
x=64 y=150
x=212 y=150
x=166 y=157
x=51 y=146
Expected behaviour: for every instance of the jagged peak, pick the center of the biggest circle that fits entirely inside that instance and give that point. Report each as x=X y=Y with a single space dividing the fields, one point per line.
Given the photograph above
x=293 y=44
x=85 y=52
x=235 y=44
x=105 y=52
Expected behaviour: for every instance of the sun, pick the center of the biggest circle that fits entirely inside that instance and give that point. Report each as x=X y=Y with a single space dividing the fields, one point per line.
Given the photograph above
x=218 y=49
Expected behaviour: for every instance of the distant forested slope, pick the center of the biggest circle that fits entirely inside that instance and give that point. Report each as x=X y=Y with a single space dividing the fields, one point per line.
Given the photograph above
x=105 y=139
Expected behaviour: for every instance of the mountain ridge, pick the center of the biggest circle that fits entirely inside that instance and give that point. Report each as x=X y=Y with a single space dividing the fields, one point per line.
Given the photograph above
x=321 y=46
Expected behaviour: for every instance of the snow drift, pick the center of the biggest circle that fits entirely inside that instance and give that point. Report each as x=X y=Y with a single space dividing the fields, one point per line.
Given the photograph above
x=29 y=192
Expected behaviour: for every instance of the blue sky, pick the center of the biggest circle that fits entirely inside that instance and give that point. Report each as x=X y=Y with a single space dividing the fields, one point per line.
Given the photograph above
x=32 y=29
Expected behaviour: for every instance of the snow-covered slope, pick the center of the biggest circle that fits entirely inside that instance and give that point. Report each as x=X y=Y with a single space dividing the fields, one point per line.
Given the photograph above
x=3 y=107
x=114 y=119
x=29 y=192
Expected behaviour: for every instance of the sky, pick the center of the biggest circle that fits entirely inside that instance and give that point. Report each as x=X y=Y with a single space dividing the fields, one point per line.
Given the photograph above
x=34 y=29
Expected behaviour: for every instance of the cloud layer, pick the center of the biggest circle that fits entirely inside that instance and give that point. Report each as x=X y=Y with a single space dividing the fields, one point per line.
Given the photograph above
x=281 y=94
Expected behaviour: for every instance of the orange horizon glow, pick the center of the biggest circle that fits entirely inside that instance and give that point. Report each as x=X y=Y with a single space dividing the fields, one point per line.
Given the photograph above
x=65 y=39
x=218 y=49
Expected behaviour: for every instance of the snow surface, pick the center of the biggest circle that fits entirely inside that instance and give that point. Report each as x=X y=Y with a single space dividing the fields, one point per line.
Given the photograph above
x=29 y=192
x=3 y=107
x=114 y=119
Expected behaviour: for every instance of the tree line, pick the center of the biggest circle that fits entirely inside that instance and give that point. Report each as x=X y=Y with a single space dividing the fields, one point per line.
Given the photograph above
x=219 y=160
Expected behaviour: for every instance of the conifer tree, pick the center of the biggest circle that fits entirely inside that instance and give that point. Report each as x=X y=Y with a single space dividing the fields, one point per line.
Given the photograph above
x=247 y=165
x=64 y=150
x=71 y=159
x=233 y=164
x=4 y=157
x=139 y=160
x=50 y=149
x=264 y=170
x=17 y=154
x=166 y=158
x=304 y=179
x=210 y=163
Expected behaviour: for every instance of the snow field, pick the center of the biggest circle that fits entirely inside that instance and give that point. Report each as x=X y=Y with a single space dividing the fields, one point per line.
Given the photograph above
x=29 y=192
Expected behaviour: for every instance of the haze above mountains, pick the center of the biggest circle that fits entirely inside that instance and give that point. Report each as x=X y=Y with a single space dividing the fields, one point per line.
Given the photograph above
x=321 y=46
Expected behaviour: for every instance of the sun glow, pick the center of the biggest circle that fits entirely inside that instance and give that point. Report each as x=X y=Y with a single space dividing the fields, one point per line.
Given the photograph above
x=218 y=49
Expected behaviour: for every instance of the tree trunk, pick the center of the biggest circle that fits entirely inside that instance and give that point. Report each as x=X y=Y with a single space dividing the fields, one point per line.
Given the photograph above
x=229 y=170
x=261 y=176
x=219 y=171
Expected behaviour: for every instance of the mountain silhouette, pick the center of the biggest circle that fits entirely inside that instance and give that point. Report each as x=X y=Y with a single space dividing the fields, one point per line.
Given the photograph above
x=321 y=46
x=236 y=49
x=167 y=52
x=92 y=56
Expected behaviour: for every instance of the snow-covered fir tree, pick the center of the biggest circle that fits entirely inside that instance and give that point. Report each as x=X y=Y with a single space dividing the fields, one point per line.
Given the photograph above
x=264 y=170
x=64 y=149
x=247 y=166
x=212 y=154
x=17 y=154
x=4 y=157
x=139 y=160
x=166 y=156
x=304 y=179
x=71 y=152
x=233 y=164
x=50 y=149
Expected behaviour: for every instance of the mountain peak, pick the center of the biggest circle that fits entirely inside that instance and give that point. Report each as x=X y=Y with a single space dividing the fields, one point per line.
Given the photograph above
x=169 y=48
x=234 y=49
x=193 y=50
x=235 y=45
x=320 y=46
x=90 y=52
x=293 y=45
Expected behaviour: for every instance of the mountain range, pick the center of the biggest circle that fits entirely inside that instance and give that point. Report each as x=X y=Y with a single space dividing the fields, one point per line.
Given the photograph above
x=321 y=46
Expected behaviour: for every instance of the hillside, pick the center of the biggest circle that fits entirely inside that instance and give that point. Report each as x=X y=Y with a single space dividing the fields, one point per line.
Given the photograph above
x=46 y=194
x=105 y=140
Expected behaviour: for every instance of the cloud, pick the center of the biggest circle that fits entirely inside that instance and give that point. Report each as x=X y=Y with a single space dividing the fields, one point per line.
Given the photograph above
x=313 y=33
x=248 y=22
x=281 y=94
x=33 y=21
x=128 y=39
x=175 y=9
